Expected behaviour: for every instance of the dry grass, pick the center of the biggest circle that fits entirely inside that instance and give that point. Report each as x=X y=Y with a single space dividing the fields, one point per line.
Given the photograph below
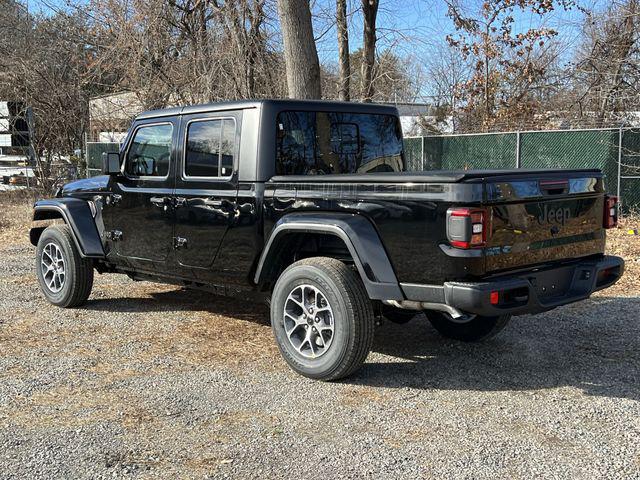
x=15 y=217
x=627 y=246
x=209 y=330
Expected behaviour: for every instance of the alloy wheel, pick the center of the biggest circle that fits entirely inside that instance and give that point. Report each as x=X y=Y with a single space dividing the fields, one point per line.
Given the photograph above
x=308 y=321
x=52 y=266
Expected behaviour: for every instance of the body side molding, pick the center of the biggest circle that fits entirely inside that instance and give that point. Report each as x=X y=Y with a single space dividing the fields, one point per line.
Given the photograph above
x=359 y=236
x=77 y=214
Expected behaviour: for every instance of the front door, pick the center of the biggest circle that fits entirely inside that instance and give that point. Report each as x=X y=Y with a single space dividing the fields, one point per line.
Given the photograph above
x=206 y=191
x=139 y=218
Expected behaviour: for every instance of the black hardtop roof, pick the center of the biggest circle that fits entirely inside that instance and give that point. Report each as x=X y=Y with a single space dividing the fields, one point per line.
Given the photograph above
x=276 y=104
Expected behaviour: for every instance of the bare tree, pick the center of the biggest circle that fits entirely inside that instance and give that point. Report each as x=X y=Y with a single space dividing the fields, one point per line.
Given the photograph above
x=190 y=51
x=46 y=70
x=609 y=67
x=446 y=71
x=243 y=22
x=392 y=79
x=344 y=91
x=370 y=13
x=300 y=54
x=507 y=66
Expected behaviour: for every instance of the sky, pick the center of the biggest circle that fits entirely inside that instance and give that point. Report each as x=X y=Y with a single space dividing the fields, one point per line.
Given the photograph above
x=418 y=28
x=423 y=24
x=412 y=28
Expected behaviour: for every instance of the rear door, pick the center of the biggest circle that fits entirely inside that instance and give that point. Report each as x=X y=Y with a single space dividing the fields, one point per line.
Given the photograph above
x=206 y=190
x=544 y=219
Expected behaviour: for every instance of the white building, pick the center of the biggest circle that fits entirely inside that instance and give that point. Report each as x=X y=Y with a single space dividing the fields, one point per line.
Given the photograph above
x=14 y=132
x=110 y=115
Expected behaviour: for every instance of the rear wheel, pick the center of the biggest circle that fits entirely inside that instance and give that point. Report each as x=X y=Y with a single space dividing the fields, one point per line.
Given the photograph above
x=472 y=328
x=65 y=278
x=322 y=318
x=398 y=315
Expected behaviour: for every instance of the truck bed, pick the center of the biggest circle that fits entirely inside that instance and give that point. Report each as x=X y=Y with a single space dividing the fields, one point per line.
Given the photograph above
x=434 y=176
x=532 y=217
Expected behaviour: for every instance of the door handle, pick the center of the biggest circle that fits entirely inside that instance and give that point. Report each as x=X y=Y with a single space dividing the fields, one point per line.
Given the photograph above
x=160 y=202
x=217 y=203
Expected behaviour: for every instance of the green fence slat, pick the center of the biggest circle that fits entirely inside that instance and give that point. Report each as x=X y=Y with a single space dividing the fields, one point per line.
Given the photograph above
x=630 y=152
x=630 y=193
x=467 y=152
x=479 y=152
x=571 y=149
x=413 y=153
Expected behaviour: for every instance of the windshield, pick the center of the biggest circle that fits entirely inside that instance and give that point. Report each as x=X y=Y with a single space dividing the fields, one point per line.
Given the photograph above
x=317 y=143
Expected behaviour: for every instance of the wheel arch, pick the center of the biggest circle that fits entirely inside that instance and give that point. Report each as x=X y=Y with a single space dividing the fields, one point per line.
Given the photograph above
x=75 y=213
x=356 y=233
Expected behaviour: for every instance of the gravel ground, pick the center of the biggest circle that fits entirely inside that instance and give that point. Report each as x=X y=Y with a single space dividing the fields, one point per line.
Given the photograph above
x=148 y=381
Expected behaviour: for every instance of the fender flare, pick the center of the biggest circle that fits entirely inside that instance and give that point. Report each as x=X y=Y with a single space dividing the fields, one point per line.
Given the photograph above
x=77 y=214
x=360 y=237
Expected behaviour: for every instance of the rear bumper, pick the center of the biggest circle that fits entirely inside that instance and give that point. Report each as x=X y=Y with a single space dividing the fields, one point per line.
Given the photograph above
x=533 y=291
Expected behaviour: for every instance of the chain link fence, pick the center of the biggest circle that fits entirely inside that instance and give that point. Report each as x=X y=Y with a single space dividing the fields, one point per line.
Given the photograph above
x=615 y=151
x=477 y=152
x=413 y=148
x=94 y=151
x=629 y=171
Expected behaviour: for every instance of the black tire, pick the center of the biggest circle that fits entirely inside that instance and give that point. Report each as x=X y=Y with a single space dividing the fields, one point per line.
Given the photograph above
x=78 y=272
x=351 y=310
x=398 y=315
x=475 y=329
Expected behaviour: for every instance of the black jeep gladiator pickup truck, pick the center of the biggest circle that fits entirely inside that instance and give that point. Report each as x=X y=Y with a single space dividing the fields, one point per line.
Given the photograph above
x=307 y=205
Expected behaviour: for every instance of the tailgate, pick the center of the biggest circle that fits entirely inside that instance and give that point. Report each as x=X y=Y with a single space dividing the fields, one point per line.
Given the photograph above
x=549 y=218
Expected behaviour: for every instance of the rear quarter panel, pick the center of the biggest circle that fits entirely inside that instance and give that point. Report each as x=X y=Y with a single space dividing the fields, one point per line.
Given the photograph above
x=409 y=218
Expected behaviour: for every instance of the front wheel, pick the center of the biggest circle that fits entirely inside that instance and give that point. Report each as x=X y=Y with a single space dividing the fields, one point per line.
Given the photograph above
x=65 y=277
x=473 y=328
x=322 y=318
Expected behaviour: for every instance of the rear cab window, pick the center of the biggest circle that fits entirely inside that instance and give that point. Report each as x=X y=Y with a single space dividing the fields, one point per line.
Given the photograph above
x=317 y=143
x=209 y=148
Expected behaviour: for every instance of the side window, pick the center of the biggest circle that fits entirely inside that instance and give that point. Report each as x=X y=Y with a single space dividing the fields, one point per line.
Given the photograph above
x=150 y=151
x=210 y=148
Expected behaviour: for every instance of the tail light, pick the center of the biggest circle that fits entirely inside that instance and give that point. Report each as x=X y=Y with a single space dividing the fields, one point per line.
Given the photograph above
x=610 y=217
x=467 y=227
x=494 y=297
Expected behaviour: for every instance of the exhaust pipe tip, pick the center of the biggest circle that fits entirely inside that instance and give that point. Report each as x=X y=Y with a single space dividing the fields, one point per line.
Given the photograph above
x=414 y=305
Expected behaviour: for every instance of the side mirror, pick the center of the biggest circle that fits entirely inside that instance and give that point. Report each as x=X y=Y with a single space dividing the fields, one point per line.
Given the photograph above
x=110 y=163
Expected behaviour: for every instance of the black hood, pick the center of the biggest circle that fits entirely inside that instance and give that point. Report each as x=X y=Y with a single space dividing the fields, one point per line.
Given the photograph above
x=86 y=185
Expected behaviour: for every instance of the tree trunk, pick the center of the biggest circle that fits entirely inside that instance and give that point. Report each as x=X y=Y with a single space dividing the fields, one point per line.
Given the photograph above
x=621 y=46
x=369 y=12
x=343 y=51
x=300 y=55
